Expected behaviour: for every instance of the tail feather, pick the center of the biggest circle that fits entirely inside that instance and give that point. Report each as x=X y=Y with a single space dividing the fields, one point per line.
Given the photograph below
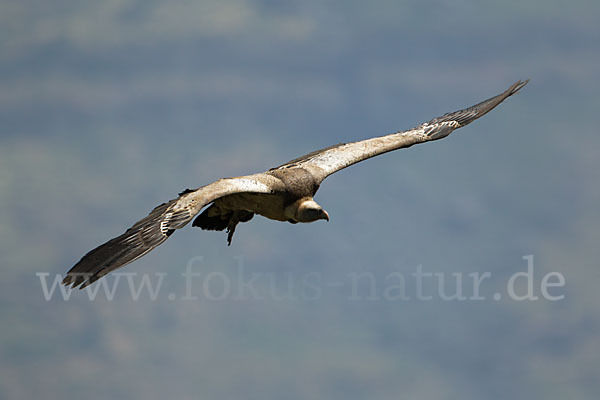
x=215 y=222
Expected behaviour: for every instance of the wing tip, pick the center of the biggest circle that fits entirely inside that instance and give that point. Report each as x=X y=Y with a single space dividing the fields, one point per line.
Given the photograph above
x=145 y=235
x=81 y=280
x=515 y=87
x=470 y=114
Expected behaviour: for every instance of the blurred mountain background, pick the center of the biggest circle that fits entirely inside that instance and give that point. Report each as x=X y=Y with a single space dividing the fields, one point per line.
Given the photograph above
x=110 y=108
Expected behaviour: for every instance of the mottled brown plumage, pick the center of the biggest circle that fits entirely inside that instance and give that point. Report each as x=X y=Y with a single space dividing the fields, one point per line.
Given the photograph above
x=284 y=193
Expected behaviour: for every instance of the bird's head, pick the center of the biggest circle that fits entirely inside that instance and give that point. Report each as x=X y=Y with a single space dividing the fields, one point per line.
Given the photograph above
x=309 y=211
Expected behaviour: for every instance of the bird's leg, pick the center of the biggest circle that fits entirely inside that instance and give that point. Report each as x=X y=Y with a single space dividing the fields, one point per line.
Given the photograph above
x=233 y=221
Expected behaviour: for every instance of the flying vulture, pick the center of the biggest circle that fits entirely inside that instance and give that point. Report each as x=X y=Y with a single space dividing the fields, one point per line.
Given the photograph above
x=283 y=193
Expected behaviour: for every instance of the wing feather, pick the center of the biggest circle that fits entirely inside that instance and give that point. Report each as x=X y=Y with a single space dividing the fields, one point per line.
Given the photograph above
x=152 y=230
x=322 y=163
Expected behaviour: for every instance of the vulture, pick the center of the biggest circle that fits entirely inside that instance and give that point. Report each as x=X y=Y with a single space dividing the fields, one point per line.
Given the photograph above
x=283 y=193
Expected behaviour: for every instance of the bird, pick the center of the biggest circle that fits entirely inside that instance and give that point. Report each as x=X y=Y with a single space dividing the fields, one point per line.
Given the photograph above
x=283 y=193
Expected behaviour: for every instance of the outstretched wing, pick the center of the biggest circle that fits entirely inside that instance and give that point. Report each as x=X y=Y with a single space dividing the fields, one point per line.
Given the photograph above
x=324 y=162
x=151 y=231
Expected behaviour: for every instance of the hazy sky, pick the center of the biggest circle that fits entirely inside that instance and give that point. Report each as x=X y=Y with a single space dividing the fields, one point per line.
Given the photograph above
x=109 y=108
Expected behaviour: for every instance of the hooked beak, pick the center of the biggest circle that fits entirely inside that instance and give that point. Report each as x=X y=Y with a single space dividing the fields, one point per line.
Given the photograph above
x=326 y=215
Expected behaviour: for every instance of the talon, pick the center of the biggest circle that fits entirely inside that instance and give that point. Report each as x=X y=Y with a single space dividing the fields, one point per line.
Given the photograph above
x=233 y=221
x=230 y=236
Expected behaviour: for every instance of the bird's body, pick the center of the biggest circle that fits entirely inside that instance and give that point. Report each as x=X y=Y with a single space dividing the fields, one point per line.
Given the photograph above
x=270 y=206
x=284 y=193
